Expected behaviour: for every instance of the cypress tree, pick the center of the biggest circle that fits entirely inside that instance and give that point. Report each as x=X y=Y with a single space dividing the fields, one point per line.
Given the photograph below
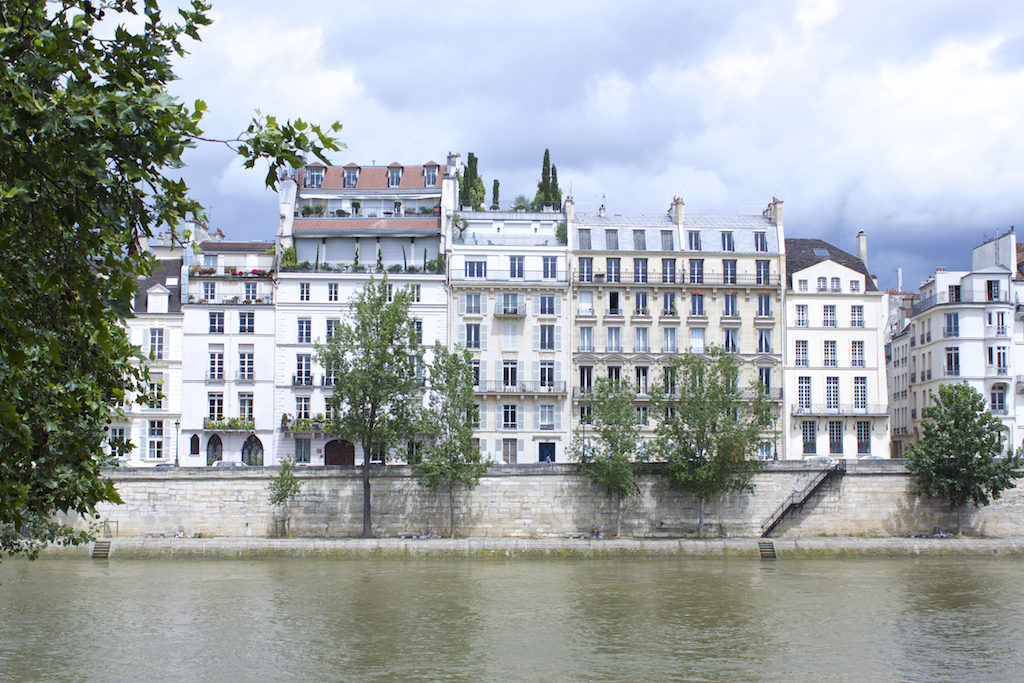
x=494 y=196
x=556 y=193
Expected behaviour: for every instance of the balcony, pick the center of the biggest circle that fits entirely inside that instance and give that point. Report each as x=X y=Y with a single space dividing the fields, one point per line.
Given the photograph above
x=669 y=313
x=230 y=271
x=302 y=380
x=503 y=275
x=843 y=409
x=231 y=424
x=642 y=313
x=264 y=300
x=950 y=331
x=953 y=372
x=327 y=381
x=613 y=313
x=217 y=376
x=511 y=311
x=613 y=348
x=965 y=298
x=651 y=278
x=245 y=377
x=500 y=387
x=1002 y=370
x=585 y=313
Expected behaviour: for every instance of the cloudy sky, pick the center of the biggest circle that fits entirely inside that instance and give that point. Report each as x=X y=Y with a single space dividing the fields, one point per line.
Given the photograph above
x=903 y=119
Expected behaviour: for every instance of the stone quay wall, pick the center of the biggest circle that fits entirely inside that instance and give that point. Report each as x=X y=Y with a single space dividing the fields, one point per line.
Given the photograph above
x=534 y=501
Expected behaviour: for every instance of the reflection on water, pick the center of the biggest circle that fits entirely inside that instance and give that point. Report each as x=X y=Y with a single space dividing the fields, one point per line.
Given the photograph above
x=706 y=620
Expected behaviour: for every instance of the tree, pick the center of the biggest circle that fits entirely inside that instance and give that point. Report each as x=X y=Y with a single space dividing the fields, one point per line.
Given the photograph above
x=547 y=188
x=91 y=141
x=451 y=458
x=958 y=456
x=375 y=357
x=708 y=433
x=494 y=196
x=284 y=487
x=612 y=458
x=471 y=185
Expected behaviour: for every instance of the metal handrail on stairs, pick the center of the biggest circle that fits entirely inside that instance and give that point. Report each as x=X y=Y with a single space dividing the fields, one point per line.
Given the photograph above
x=800 y=496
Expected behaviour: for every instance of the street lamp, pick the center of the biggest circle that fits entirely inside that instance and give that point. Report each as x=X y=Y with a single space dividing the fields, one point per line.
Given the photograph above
x=177 y=424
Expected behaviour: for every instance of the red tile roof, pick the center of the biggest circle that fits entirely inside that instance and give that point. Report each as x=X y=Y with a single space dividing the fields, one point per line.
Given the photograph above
x=375 y=177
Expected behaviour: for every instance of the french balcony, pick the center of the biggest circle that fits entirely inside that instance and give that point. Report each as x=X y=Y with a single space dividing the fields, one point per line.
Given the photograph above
x=229 y=424
x=953 y=372
x=669 y=313
x=613 y=313
x=950 y=331
x=513 y=311
x=215 y=376
x=302 y=380
x=651 y=278
x=840 y=410
x=500 y=387
x=245 y=377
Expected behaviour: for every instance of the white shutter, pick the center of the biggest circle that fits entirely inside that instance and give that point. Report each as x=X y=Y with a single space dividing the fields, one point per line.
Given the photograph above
x=521 y=303
x=558 y=371
x=536 y=304
x=520 y=372
x=536 y=371
x=558 y=418
x=462 y=304
x=483 y=372
x=536 y=416
x=558 y=337
x=520 y=418
x=497 y=450
x=483 y=335
x=498 y=376
x=484 y=296
x=536 y=337
x=462 y=334
x=558 y=304
x=483 y=417
x=521 y=450
x=497 y=421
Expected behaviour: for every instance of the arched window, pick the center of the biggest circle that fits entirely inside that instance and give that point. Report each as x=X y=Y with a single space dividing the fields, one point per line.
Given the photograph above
x=194 y=445
x=252 y=451
x=214 y=450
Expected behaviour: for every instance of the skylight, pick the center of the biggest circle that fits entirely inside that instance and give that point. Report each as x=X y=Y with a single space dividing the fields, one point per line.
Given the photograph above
x=821 y=252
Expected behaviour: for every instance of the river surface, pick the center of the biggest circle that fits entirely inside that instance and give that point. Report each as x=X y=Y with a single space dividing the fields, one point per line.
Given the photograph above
x=679 y=619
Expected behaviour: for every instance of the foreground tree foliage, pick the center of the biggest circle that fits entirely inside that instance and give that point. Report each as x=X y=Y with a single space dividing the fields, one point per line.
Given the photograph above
x=89 y=137
x=375 y=357
x=708 y=433
x=613 y=455
x=284 y=488
x=451 y=458
x=958 y=456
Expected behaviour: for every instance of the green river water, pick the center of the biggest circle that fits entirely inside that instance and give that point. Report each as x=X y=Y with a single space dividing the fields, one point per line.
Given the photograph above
x=665 y=619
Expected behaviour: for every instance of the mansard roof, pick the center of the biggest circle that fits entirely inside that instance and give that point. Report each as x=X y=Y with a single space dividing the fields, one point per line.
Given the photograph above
x=161 y=271
x=803 y=253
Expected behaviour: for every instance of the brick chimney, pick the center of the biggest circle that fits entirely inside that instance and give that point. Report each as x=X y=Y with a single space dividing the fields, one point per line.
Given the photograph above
x=678 y=210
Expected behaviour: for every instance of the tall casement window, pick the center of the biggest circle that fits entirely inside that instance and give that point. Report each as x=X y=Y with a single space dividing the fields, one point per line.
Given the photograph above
x=696 y=271
x=803 y=392
x=586 y=269
x=216 y=322
x=614 y=267
x=639 y=240
x=476 y=269
x=216 y=371
x=667 y=243
x=210 y=291
x=156 y=343
x=331 y=328
x=314 y=177
x=830 y=353
x=832 y=393
x=860 y=393
x=550 y=266
x=547 y=373
x=730 y=339
x=302 y=450
x=305 y=331
x=351 y=177
x=639 y=270
x=863 y=437
x=809 y=431
x=473 y=336
x=640 y=340
x=332 y=291
x=583 y=237
x=546 y=303
x=857 y=354
x=760 y=241
x=731 y=309
x=952 y=361
x=509 y=415
x=245 y=404
x=697 y=305
x=728 y=244
x=614 y=340
x=729 y=271
x=302 y=411
x=763 y=270
x=155 y=439
x=429 y=176
x=952 y=328
x=693 y=240
x=303 y=369
x=246 y=367
x=215 y=402
x=856 y=316
x=800 y=359
x=394 y=176
x=764 y=375
x=515 y=267
x=829 y=315
x=668 y=270
x=586 y=339
x=246 y=322
x=473 y=304
x=764 y=305
x=764 y=341
x=668 y=340
x=696 y=340
x=835 y=437
x=303 y=291
x=509 y=451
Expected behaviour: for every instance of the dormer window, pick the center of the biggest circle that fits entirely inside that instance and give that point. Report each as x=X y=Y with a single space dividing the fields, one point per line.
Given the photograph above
x=351 y=177
x=430 y=176
x=314 y=177
x=394 y=176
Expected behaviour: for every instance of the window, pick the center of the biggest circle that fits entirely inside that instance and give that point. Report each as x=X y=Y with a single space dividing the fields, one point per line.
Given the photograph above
x=696 y=271
x=583 y=236
x=314 y=177
x=547 y=303
x=729 y=271
x=857 y=354
x=809 y=431
x=473 y=336
x=763 y=272
x=860 y=393
x=803 y=392
x=640 y=340
x=854 y=285
x=696 y=340
x=394 y=176
x=760 y=241
x=332 y=291
x=640 y=302
x=954 y=294
x=801 y=353
x=546 y=416
x=727 y=242
x=510 y=374
x=614 y=269
x=509 y=451
x=216 y=322
x=302 y=408
x=668 y=304
x=246 y=322
x=998 y=397
x=639 y=270
x=764 y=341
x=586 y=377
x=210 y=291
x=801 y=285
x=550 y=264
x=332 y=328
x=586 y=339
x=693 y=240
x=829 y=316
x=515 y=266
x=952 y=328
x=391 y=292
x=215 y=401
x=305 y=326
x=730 y=339
x=764 y=305
x=510 y=304
x=586 y=305
x=668 y=270
x=611 y=240
x=641 y=415
x=418 y=324
x=731 y=307
x=302 y=450
x=476 y=269
x=586 y=269
x=666 y=240
x=613 y=304
x=303 y=369
x=832 y=393
x=156 y=392
x=764 y=375
x=835 y=437
x=863 y=437
x=245 y=404
x=509 y=414
x=697 y=305
x=429 y=176
x=836 y=287
x=245 y=366
x=992 y=290
x=351 y=177
x=193 y=444
x=473 y=304
x=216 y=365
x=830 y=353
x=614 y=339
x=156 y=439
x=668 y=340
x=614 y=373
x=641 y=380
x=547 y=373
x=250 y=292
x=639 y=240
x=547 y=337
x=856 y=316
x=156 y=343
x=822 y=284
x=952 y=361
x=303 y=291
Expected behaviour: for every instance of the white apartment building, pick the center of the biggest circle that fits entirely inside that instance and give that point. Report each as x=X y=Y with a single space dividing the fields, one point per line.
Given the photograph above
x=963 y=329
x=346 y=225
x=647 y=287
x=835 y=373
x=155 y=328
x=509 y=286
x=228 y=357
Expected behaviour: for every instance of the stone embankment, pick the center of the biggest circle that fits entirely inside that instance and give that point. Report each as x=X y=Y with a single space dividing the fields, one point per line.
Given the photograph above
x=553 y=548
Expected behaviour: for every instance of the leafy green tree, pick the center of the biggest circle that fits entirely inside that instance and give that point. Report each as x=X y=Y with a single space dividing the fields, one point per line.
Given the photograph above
x=548 y=192
x=375 y=357
x=494 y=196
x=708 y=433
x=284 y=488
x=613 y=455
x=91 y=143
x=958 y=456
x=471 y=185
x=451 y=458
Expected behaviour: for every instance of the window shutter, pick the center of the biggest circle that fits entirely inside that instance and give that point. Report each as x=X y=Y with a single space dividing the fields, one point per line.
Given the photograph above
x=462 y=304
x=483 y=372
x=483 y=417
x=462 y=334
x=484 y=296
x=519 y=416
x=536 y=371
x=558 y=371
x=498 y=375
x=521 y=448
x=521 y=303
x=536 y=337
x=483 y=336
x=536 y=304
x=497 y=450
x=558 y=418
x=498 y=424
x=558 y=337
x=558 y=304
x=536 y=416
x=520 y=372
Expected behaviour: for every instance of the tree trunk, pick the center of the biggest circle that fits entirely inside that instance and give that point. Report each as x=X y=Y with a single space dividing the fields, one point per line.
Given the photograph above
x=700 y=518
x=284 y=510
x=618 y=516
x=451 y=509
x=958 y=520
x=367 y=524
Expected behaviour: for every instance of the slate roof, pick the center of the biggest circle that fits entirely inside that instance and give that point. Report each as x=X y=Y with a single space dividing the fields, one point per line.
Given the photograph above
x=800 y=254
x=161 y=271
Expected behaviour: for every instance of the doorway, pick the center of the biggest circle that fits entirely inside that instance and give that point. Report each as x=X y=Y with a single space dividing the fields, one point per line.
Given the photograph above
x=547 y=452
x=339 y=452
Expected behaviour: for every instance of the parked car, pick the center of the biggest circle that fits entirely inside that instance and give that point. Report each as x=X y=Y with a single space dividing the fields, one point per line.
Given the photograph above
x=229 y=463
x=166 y=464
